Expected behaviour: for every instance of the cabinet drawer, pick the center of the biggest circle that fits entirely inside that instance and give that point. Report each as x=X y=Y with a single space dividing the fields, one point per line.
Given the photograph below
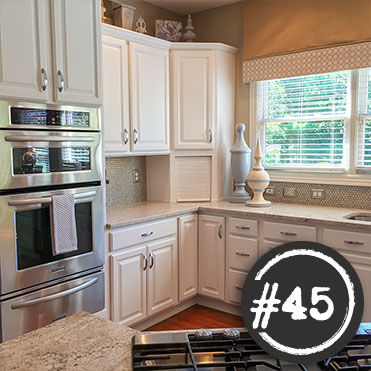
x=141 y=233
x=351 y=241
x=289 y=232
x=242 y=252
x=236 y=281
x=243 y=226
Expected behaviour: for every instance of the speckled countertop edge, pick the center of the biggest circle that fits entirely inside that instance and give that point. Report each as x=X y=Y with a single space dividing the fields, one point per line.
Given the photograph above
x=126 y=215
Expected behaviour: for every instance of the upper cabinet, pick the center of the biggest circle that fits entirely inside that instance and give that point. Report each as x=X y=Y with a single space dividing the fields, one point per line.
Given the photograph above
x=38 y=67
x=77 y=51
x=193 y=98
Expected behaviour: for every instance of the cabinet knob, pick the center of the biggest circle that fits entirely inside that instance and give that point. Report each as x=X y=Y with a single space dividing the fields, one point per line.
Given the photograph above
x=126 y=136
x=60 y=81
x=135 y=136
x=44 y=79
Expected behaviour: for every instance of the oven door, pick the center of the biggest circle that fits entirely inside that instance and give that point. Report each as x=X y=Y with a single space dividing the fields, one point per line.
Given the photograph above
x=26 y=257
x=37 y=158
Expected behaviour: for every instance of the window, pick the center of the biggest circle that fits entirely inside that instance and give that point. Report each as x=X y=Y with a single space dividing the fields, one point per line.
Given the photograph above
x=316 y=122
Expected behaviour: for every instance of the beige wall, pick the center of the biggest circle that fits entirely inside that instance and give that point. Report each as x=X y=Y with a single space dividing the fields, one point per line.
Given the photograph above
x=225 y=24
x=148 y=11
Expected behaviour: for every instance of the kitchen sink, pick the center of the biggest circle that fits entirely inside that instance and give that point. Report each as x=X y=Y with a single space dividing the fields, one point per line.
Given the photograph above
x=364 y=217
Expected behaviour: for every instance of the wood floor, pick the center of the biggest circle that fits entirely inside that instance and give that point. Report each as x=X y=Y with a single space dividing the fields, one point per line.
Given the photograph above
x=197 y=317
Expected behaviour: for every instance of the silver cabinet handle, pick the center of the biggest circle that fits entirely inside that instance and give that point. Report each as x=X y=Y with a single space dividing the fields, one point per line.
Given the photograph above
x=238 y=288
x=135 y=136
x=44 y=79
x=55 y=296
x=357 y=243
x=241 y=253
x=211 y=136
x=145 y=262
x=47 y=200
x=46 y=138
x=147 y=234
x=151 y=260
x=242 y=227
x=220 y=231
x=289 y=234
x=126 y=136
x=60 y=81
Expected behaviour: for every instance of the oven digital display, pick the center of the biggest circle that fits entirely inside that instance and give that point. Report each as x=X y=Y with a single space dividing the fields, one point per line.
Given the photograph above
x=45 y=117
x=34 y=243
x=45 y=160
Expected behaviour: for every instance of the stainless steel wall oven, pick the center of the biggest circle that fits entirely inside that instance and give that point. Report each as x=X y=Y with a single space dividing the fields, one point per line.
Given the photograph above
x=47 y=151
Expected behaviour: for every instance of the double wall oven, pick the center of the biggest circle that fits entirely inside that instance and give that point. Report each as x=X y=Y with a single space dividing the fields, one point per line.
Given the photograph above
x=47 y=151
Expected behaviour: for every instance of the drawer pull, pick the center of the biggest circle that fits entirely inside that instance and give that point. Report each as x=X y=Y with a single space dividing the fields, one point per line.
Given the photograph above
x=242 y=227
x=220 y=231
x=357 y=243
x=241 y=254
x=151 y=260
x=289 y=234
x=147 y=234
x=238 y=288
x=145 y=262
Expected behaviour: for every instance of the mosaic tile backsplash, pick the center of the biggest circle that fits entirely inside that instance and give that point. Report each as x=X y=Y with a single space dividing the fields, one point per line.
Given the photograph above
x=336 y=195
x=121 y=188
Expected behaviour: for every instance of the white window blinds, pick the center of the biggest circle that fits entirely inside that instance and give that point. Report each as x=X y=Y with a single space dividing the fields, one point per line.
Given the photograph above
x=364 y=119
x=302 y=120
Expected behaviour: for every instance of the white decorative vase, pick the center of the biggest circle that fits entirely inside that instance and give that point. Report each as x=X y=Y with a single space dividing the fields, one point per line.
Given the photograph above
x=240 y=163
x=258 y=181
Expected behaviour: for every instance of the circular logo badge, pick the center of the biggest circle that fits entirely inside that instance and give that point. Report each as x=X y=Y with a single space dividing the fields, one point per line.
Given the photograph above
x=302 y=302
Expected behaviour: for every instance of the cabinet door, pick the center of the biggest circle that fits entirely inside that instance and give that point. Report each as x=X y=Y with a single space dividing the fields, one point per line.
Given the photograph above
x=129 y=285
x=115 y=95
x=149 y=83
x=212 y=256
x=188 y=256
x=23 y=48
x=193 y=99
x=77 y=51
x=162 y=275
x=364 y=274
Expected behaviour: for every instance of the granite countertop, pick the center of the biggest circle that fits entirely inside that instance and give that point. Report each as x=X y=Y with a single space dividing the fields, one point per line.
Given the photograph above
x=122 y=215
x=80 y=342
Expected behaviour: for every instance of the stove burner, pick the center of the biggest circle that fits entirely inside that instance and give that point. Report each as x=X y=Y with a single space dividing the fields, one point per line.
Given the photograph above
x=203 y=334
x=231 y=333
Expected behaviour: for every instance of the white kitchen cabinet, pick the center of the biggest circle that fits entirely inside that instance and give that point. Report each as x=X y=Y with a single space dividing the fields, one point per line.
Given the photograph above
x=162 y=275
x=129 y=285
x=77 y=48
x=212 y=256
x=23 y=50
x=116 y=115
x=149 y=82
x=188 y=256
x=193 y=98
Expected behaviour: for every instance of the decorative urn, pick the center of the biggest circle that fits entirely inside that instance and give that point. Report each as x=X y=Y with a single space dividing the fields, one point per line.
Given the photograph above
x=240 y=163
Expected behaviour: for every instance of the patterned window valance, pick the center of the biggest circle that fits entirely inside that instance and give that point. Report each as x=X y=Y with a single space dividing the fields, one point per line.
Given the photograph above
x=285 y=38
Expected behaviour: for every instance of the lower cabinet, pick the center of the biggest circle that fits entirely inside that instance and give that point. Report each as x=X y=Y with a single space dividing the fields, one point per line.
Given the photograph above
x=212 y=256
x=188 y=256
x=144 y=280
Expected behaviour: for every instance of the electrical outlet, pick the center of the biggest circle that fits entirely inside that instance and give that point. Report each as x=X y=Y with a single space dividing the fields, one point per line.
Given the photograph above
x=136 y=176
x=270 y=191
x=318 y=193
x=289 y=192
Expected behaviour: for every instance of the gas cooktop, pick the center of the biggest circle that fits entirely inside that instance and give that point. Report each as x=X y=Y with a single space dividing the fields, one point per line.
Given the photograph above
x=232 y=349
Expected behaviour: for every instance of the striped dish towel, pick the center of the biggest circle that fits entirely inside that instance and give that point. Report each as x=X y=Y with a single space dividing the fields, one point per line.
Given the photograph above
x=63 y=224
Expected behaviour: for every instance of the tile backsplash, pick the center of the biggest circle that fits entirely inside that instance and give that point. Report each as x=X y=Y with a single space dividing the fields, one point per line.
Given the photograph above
x=121 y=188
x=336 y=195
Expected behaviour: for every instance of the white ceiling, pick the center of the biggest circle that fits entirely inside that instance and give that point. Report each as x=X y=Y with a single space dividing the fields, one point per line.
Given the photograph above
x=185 y=7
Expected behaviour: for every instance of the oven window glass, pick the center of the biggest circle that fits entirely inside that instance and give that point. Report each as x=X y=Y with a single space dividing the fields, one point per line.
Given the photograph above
x=34 y=244
x=31 y=116
x=50 y=160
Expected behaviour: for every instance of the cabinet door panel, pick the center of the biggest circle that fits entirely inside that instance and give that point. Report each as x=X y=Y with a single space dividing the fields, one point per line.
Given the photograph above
x=129 y=286
x=236 y=280
x=188 y=256
x=115 y=96
x=77 y=49
x=212 y=256
x=162 y=276
x=193 y=107
x=364 y=274
x=149 y=83
x=242 y=252
x=23 y=48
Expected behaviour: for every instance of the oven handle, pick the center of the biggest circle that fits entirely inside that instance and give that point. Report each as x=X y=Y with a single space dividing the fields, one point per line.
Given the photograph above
x=46 y=200
x=58 y=295
x=46 y=138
